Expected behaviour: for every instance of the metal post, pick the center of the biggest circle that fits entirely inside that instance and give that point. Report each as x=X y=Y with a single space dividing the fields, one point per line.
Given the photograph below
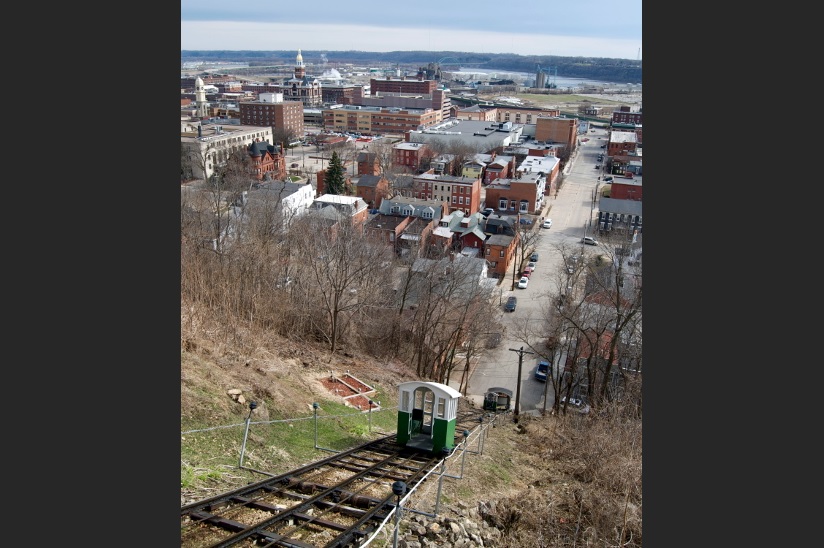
x=463 y=458
x=315 y=407
x=399 y=488
x=252 y=406
x=371 y=403
x=445 y=451
x=521 y=353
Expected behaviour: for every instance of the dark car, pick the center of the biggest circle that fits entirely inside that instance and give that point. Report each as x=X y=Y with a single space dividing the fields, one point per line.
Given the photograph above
x=534 y=257
x=542 y=371
x=511 y=303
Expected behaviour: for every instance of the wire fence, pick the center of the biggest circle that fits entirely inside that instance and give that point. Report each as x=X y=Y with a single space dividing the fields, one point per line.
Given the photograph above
x=296 y=419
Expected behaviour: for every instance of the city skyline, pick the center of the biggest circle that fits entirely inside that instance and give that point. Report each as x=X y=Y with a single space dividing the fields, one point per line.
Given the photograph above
x=589 y=28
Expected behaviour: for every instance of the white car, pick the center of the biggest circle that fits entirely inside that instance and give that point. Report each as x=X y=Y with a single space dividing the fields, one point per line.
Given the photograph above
x=589 y=240
x=547 y=223
x=522 y=283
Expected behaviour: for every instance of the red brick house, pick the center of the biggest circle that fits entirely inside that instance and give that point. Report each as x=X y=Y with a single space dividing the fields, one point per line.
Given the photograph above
x=268 y=160
x=411 y=155
x=373 y=189
x=500 y=166
x=524 y=195
x=462 y=193
x=622 y=143
x=387 y=229
x=368 y=163
x=499 y=252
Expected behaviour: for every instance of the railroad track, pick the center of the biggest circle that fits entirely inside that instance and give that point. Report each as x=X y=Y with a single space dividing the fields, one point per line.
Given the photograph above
x=335 y=502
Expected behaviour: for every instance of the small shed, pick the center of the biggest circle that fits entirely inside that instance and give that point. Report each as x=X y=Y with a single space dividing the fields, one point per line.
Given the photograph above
x=427 y=414
x=497 y=399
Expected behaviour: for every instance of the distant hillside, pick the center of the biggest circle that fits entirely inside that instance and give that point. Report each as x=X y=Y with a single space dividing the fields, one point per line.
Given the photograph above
x=595 y=68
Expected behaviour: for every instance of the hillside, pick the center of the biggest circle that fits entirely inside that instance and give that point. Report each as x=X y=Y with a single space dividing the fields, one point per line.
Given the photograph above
x=570 y=478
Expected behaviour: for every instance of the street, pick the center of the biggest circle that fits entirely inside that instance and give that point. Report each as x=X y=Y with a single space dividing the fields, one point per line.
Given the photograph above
x=571 y=212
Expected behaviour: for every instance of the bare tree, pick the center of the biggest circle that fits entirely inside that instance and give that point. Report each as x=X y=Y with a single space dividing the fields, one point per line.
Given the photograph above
x=525 y=242
x=341 y=268
x=604 y=310
x=283 y=136
x=444 y=299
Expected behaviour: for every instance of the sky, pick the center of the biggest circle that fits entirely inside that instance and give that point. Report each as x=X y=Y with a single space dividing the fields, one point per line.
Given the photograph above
x=577 y=28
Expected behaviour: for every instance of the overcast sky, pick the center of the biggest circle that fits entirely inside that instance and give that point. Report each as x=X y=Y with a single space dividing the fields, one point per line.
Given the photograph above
x=586 y=28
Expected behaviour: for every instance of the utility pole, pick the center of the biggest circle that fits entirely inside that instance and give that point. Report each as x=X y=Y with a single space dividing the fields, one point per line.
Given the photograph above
x=521 y=353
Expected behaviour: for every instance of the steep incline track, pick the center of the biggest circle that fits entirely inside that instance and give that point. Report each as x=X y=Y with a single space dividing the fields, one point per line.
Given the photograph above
x=335 y=502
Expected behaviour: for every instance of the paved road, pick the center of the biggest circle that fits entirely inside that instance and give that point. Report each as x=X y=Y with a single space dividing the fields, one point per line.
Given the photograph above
x=571 y=212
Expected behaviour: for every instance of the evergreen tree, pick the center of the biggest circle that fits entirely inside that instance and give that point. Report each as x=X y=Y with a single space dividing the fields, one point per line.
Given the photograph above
x=335 y=180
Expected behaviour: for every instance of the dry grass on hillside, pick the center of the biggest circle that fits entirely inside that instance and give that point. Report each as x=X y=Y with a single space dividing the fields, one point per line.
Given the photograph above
x=547 y=481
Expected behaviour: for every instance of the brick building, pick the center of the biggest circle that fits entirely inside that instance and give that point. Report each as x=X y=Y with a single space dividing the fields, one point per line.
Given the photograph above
x=622 y=143
x=268 y=160
x=461 y=193
x=624 y=115
x=372 y=188
x=499 y=252
x=411 y=155
x=271 y=110
x=512 y=196
x=557 y=130
x=377 y=120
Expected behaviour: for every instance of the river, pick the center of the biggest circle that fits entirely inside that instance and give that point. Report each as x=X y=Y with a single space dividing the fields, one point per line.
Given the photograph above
x=474 y=74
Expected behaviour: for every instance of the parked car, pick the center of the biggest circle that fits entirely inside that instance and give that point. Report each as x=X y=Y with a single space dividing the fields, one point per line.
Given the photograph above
x=522 y=283
x=597 y=166
x=547 y=223
x=511 y=303
x=534 y=257
x=542 y=371
x=487 y=211
x=589 y=240
x=532 y=264
x=527 y=272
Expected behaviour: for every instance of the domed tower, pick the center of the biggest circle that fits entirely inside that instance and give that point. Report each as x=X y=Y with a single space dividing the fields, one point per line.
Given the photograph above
x=200 y=98
x=300 y=68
